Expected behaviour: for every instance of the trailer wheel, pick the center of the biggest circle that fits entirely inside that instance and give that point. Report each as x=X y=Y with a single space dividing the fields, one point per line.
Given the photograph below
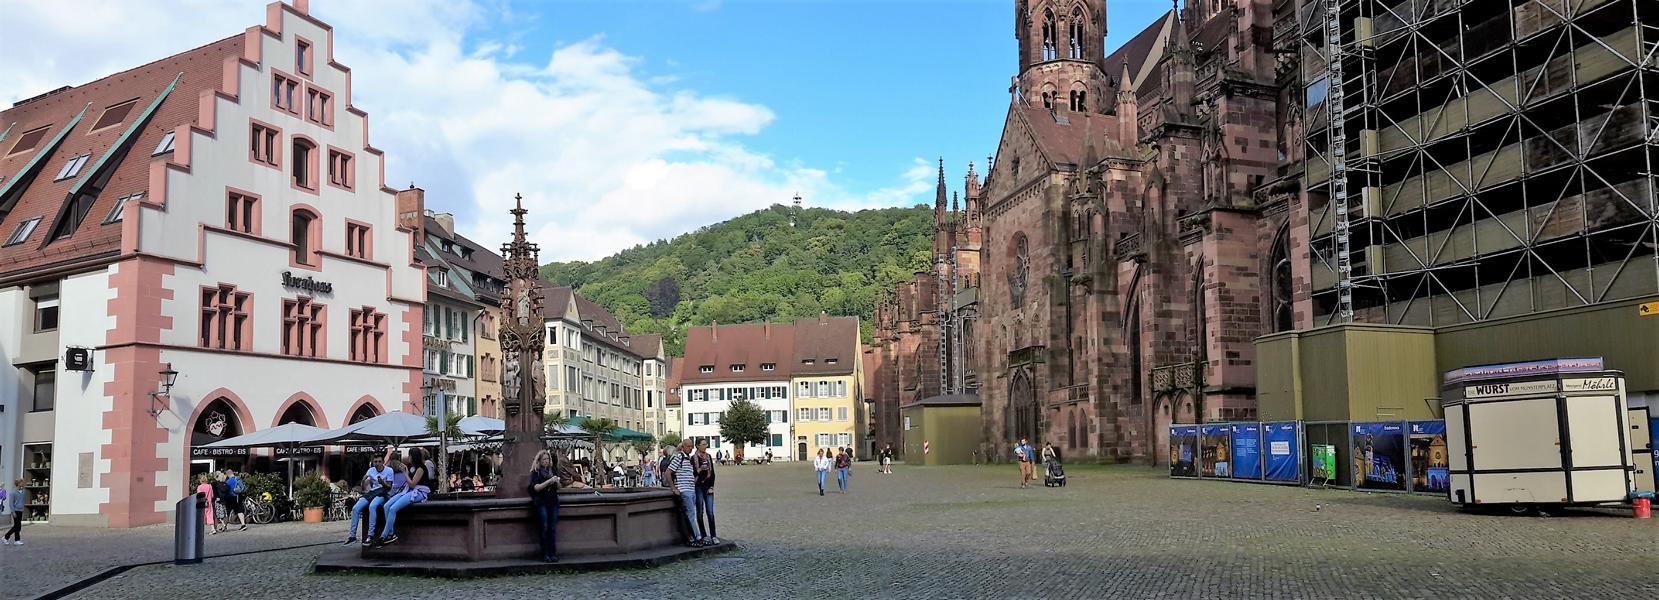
x=1521 y=510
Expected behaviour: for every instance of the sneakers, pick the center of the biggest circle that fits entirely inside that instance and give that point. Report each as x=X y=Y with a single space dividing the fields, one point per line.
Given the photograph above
x=17 y=543
x=5 y=542
x=389 y=540
x=350 y=540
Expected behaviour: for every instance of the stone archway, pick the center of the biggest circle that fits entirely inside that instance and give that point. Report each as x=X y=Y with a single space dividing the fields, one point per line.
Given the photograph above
x=1022 y=406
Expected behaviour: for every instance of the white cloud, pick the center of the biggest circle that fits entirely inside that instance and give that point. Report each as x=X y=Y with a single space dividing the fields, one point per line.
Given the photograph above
x=606 y=156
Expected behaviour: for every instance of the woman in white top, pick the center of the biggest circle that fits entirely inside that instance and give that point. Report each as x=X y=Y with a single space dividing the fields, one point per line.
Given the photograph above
x=822 y=466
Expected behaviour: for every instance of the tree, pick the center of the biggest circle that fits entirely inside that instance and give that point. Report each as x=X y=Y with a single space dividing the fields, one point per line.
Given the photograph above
x=554 y=420
x=672 y=440
x=644 y=447
x=603 y=430
x=664 y=295
x=452 y=430
x=743 y=424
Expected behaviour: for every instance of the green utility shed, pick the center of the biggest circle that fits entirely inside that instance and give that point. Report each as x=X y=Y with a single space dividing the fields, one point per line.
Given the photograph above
x=949 y=426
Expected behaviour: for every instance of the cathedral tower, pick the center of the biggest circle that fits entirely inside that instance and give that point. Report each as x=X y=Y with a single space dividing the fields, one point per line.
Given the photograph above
x=1062 y=54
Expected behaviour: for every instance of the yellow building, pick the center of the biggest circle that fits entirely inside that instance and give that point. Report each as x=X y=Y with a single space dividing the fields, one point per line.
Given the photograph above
x=828 y=409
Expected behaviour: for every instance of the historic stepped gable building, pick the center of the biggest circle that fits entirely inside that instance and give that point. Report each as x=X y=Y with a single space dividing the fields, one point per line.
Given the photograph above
x=218 y=214
x=1125 y=247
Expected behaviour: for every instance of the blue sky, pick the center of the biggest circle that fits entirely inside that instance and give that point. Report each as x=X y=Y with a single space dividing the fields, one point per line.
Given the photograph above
x=621 y=122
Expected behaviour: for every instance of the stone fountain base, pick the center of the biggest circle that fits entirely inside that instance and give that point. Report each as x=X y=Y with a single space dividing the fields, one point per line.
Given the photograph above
x=488 y=536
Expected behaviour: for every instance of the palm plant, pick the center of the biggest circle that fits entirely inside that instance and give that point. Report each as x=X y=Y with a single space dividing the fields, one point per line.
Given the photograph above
x=602 y=430
x=452 y=430
x=554 y=420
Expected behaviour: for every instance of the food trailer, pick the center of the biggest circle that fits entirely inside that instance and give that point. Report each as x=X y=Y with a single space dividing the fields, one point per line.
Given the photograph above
x=1543 y=433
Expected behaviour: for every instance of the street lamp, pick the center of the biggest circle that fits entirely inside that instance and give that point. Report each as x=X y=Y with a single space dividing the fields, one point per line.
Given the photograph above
x=168 y=378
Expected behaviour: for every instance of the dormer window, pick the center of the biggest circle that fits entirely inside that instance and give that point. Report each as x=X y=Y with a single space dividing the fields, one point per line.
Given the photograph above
x=737 y=368
x=768 y=366
x=808 y=361
x=705 y=369
x=73 y=167
x=114 y=115
x=831 y=361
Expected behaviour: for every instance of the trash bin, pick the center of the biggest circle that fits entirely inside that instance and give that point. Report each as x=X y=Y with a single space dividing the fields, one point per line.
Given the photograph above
x=189 y=533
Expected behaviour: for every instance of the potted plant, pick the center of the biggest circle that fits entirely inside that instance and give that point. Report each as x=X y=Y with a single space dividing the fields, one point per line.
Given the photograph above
x=312 y=494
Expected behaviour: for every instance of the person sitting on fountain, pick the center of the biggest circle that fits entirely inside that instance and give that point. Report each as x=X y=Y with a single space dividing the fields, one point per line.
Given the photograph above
x=414 y=493
x=376 y=483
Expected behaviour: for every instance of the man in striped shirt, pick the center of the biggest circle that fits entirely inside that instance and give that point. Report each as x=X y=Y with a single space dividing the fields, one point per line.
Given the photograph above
x=682 y=471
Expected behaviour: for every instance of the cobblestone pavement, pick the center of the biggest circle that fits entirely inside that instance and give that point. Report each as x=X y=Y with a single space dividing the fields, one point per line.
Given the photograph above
x=969 y=532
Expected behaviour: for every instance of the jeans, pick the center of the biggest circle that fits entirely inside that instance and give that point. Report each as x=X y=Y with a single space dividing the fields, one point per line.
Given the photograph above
x=821 y=475
x=357 y=511
x=16 y=532
x=705 y=507
x=548 y=515
x=841 y=479
x=397 y=503
x=688 y=502
x=650 y=480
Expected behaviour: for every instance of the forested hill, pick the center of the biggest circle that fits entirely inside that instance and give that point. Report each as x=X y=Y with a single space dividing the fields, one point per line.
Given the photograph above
x=757 y=267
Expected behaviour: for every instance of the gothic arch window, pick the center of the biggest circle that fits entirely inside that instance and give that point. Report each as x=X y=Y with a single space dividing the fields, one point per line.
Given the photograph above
x=1048 y=102
x=1022 y=408
x=1050 y=32
x=1020 y=273
x=1281 y=286
x=298 y=412
x=1076 y=46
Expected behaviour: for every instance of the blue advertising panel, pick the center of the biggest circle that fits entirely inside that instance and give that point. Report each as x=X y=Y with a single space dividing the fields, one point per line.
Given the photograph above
x=1379 y=456
x=1280 y=441
x=1214 y=451
x=1653 y=429
x=1183 y=451
x=1430 y=466
x=1247 y=451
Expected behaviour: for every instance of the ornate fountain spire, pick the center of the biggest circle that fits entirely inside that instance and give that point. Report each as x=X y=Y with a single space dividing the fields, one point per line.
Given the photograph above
x=523 y=338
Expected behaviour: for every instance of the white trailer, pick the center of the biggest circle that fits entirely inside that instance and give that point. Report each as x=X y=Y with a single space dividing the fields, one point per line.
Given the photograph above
x=1552 y=433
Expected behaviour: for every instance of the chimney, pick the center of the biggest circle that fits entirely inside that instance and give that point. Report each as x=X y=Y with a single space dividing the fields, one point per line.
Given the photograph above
x=823 y=317
x=714 y=331
x=447 y=221
x=766 y=329
x=411 y=206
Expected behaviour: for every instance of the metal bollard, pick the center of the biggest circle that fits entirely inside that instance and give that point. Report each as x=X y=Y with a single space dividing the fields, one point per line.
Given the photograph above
x=189 y=532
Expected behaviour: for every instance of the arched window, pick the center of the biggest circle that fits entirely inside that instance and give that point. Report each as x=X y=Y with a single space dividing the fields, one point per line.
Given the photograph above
x=1076 y=46
x=1022 y=406
x=304 y=236
x=1080 y=101
x=298 y=412
x=1048 y=101
x=1282 y=285
x=1050 y=31
x=364 y=413
x=304 y=164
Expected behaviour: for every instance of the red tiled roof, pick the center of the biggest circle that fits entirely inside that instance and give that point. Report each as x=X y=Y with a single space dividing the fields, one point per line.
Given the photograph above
x=784 y=345
x=198 y=70
x=1061 y=135
x=556 y=301
x=676 y=365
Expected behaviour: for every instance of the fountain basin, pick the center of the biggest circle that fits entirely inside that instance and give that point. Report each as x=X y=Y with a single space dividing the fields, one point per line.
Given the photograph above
x=489 y=536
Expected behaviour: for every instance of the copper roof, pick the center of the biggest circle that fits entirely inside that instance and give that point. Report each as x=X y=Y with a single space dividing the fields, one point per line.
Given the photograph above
x=33 y=193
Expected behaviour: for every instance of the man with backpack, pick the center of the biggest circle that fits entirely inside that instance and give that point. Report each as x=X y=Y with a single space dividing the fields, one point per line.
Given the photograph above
x=234 y=488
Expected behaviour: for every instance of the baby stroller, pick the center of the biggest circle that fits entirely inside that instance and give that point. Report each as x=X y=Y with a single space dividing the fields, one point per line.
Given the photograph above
x=1054 y=475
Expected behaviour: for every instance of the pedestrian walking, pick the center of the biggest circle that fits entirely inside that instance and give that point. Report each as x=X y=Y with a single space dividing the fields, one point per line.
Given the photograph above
x=683 y=475
x=705 y=491
x=204 y=486
x=15 y=501
x=887 y=460
x=234 y=488
x=822 y=466
x=544 y=491
x=662 y=466
x=648 y=471
x=843 y=463
x=1024 y=454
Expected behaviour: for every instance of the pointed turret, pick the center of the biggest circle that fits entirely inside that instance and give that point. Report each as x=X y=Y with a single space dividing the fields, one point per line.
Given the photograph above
x=955 y=215
x=1128 y=109
x=941 y=225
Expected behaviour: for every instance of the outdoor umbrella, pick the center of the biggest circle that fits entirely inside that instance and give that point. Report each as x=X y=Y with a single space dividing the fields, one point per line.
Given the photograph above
x=286 y=435
x=393 y=428
x=482 y=426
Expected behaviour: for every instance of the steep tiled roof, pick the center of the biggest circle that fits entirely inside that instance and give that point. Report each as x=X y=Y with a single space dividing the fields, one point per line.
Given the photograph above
x=787 y=346
x=1148 y=44
x=556 y=301
x=646 y=345
x=32 y=193
x=480 y=259
x=676 y=365
x=1061 y=135
x=830 y=343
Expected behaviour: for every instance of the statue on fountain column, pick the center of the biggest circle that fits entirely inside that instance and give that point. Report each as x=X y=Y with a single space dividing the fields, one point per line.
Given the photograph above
x=523 y=337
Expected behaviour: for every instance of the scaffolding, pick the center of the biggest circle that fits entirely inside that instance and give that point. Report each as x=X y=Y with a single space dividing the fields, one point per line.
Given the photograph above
x=1503 y=153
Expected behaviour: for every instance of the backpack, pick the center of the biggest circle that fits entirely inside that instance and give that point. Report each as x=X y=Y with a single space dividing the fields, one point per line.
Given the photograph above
x=240 y=487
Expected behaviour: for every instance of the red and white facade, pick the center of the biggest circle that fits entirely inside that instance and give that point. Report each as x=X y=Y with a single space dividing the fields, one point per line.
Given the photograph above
x=264 y=262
